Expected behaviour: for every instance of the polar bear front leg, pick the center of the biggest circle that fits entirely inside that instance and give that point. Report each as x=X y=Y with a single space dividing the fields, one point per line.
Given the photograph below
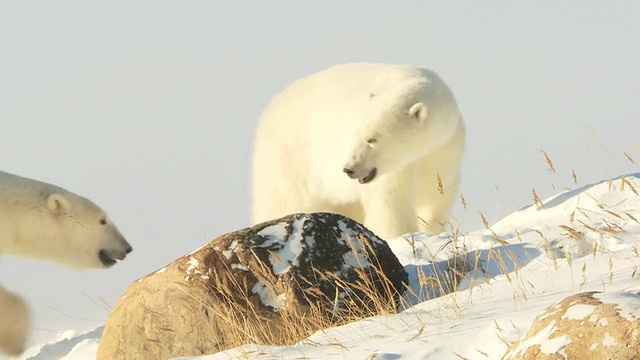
x=389 y=205
x=15 y=323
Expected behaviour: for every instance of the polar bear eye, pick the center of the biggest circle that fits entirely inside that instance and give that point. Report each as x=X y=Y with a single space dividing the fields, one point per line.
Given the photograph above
x=372 y=141
x=103 y=221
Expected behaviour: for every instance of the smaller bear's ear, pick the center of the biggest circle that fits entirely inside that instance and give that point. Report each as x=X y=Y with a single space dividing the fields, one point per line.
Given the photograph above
x=58 y=203
x=419 y=111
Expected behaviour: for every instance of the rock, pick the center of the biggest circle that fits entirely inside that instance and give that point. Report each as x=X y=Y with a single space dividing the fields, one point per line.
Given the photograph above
x=274 y=283
x=588 y=325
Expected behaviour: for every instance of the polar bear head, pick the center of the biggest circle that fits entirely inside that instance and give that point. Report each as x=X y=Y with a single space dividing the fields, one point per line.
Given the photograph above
x=84 y=230
x=52 y=223
x=410 y=129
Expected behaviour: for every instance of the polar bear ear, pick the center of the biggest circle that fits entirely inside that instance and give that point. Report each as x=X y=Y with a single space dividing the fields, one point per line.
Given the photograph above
x=419 y=111
x=58 y=204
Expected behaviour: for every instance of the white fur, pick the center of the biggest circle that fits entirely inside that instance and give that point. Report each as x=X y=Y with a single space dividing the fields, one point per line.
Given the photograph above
x=40 y=220
x=400 y=120
x=15 y=323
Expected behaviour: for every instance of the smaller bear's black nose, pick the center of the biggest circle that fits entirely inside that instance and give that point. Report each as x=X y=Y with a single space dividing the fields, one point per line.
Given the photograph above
x=348 y=171
x=128 y=249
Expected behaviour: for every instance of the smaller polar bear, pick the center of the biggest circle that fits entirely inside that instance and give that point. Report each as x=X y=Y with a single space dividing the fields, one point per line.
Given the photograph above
x=379 y=143
x=40 y=220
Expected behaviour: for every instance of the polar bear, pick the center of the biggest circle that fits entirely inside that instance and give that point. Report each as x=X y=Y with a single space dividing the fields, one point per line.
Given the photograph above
x=40 y=220
x=379 y=143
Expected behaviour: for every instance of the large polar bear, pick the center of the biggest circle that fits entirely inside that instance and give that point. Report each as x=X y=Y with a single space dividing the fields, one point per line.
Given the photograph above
x=40 y=220
x=379 y=143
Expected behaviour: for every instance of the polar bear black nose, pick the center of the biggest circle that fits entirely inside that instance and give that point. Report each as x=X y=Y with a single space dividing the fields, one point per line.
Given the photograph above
x=348 y=171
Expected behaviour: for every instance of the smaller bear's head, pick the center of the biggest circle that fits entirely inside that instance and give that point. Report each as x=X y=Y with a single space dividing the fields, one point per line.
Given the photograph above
x=60 y=226
x=84 y=233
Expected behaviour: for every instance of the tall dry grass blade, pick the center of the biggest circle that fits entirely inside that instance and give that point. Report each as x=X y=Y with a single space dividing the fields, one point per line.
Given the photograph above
x=629 y=157
x=610 y=270
x=584 y=275
x=612 y=213
x=495 y=236
x=583 y=213
x=417 y=335
x=595 y=137
x=631 y=217
x=100 y=301
x=483 y=353
x=625 y=181
x=609 y=179
x=548 y=160
x=440 y=187
x=571 y=232
x=497 y=326
x=536 y=198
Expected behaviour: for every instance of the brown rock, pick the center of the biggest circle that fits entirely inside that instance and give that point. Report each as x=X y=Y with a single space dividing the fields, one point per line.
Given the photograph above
x=589 y=325
x=274 y=283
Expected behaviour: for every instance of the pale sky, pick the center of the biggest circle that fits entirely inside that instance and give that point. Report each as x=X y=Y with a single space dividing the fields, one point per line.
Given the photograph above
x=149 y=108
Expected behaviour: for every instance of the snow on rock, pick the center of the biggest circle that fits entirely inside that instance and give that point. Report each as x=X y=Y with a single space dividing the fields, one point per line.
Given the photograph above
x=578 y=312
x=288 y=255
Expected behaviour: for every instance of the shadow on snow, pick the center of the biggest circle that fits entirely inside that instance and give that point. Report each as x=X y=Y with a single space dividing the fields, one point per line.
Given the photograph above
x=462 y=271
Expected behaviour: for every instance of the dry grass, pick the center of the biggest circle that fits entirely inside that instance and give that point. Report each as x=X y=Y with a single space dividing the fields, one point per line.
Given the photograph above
x=241 y=319
x=305 y=307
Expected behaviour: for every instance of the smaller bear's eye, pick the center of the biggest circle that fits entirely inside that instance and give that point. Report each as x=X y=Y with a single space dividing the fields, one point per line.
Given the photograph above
x=372 y=141
x=103 y=221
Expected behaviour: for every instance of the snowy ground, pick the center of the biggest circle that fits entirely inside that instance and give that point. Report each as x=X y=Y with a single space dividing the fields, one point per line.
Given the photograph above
x=579 y=240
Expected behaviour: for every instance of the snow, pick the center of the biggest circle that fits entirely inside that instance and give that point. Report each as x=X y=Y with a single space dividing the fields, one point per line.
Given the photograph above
x=580 y=240
x=267 y=295
x=578 y=311
x=547 y=345
x=283 y=258
x=68 y=345
x=193 y=270
x=608 y=340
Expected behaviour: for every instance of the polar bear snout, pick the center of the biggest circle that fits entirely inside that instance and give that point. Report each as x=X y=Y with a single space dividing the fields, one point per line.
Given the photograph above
x=109 y=257
x=363 y=176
